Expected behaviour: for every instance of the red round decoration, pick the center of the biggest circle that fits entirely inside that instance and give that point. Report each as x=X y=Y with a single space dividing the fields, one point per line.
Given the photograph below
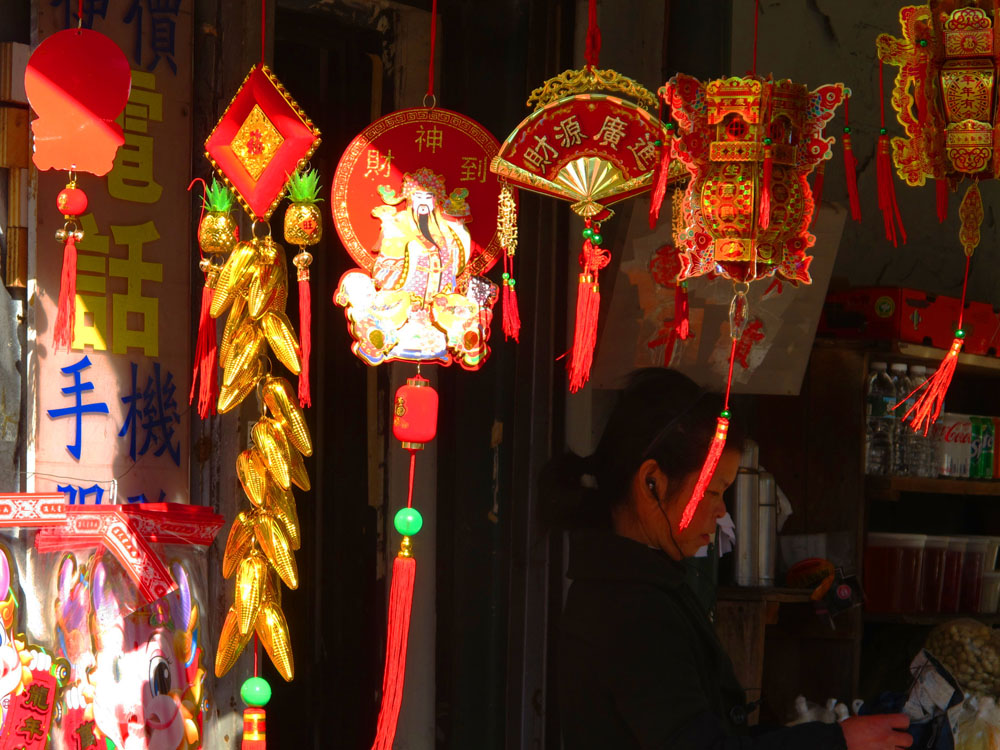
x=78 y=82
x=71 y=201
x=414 y=420
x=414 y=202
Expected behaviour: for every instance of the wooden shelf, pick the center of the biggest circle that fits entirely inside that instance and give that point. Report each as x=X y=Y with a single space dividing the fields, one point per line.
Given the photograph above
x=764 y=593
x=917 y=353
x=928 y=619
x=890 y=488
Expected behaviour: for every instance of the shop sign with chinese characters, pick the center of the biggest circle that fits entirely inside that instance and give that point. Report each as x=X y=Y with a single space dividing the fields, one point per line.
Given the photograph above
x=111 y=416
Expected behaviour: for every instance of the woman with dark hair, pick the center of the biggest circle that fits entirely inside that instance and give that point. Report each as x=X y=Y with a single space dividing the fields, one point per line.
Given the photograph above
x=639 y=663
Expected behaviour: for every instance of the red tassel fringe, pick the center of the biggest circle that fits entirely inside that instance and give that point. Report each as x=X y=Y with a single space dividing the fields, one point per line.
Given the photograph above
x=928 y=406
x=511 y=313
x=851 y=174
x=205 y=359
x=764 y=217
x=817 y=188
x=941 y=194
x=681 y=313
x=305 y=340
x=400 y=604
x=707 y=471
x=660 y=178
x=62 y=335
x=254 y=729
x=588 y=308
x=894 y=230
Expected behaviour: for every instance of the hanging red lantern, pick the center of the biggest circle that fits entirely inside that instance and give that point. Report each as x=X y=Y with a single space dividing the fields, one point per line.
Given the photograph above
x=414 y=421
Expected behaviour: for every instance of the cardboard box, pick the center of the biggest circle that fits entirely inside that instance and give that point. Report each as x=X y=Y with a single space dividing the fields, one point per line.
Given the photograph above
x=910 y=315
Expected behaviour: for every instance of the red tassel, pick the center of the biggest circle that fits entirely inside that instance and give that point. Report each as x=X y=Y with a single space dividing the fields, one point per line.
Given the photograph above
x=851 y=173
x=588 y=307
x=887 y=194
x=941 y=190
x=254 y=729
x=764 y=217
x=400 y=603
x=928 y=406
x=681 y=320
x=707 y=471
x=661 y=176
x=65 y=325
x=817 y=189
x=205 y=357
x=511 y=314
x=305 y=336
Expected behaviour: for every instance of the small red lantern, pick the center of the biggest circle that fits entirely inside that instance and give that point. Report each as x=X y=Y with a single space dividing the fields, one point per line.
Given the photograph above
x=71 y=201
x=415 y=415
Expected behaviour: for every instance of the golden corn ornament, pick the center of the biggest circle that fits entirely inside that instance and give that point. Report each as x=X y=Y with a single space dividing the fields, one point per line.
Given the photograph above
x=240 y=541
x=281 y=402
x=272 y=629
x=273 y=540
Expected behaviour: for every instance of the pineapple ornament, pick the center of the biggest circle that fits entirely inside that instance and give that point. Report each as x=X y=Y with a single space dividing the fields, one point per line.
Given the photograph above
x=304 y=227
x=217 y=236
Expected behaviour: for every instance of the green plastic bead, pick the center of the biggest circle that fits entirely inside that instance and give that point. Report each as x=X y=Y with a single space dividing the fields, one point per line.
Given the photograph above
x=597 y=239
x=922 y=42
x=726 y=414
x=512 y=282
x=505 y=276
x=408 y=521
x=588 y=233
x=959 y=334
x=657 y=143
x=882 y=131
x=670 y=126
x=768 y=141
x=847 y=130
x=256 y=692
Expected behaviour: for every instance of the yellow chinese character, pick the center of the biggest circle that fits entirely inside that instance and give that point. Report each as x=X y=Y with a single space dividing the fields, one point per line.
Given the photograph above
x=376 y=164
x=541 y=155
x=135 y=270
x=433 y=138
x=132 y=179
x=644 y=151
x=612 y=131
x=568 y=132
x=473 y=169
x=91 y=328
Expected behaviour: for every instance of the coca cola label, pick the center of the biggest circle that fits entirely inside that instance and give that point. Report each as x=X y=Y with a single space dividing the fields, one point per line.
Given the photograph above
x=952 y=439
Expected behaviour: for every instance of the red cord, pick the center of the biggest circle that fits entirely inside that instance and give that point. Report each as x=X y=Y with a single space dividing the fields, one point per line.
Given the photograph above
x=430 y=66
x=756 y=13
x=965 y=288
x=263 y=28
x=592 y=52
x=409 y=492
x=729 y=381
x=881 y=96
x=256 y=655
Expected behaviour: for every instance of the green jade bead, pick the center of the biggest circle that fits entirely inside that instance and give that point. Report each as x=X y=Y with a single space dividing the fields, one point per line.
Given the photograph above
x=726 y=414
x=256 y=692
x=588 y=233
x=597 y=239
x=408 y=521
x=959 y=334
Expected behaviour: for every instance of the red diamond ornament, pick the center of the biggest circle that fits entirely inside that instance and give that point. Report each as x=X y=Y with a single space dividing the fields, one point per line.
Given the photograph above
x=259 y=141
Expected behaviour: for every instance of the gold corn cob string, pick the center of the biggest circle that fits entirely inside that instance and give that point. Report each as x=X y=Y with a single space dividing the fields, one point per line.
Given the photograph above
x=260 y=549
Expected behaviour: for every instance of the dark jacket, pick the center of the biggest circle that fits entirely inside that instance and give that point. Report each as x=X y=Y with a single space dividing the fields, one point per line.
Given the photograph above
x=640 y=665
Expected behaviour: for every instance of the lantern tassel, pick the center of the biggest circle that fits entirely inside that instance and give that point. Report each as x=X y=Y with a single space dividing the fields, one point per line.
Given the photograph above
x=941 y=194
x=764 y=217
x=681 y=312
x=400 y=604
x=205 y=354
x=850 y=164
x=661 y=176
x=254 y=729
x=62 y=335
x=817 y=188
x=893 y=222
x=305 y=334
x=714 y=451
x=588 y=308
x=507 y=232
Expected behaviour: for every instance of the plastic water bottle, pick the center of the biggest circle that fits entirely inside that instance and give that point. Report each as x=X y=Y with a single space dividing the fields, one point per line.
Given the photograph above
x=880 y=422
x=900 y=441
x=919 y=447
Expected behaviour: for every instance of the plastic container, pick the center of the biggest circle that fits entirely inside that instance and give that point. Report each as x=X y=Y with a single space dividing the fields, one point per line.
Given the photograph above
x=972 y=573
x=951 y=583
x=932 y=573
x=882 y=556
x=907 y=578
x=992 y=550
x=990 y=601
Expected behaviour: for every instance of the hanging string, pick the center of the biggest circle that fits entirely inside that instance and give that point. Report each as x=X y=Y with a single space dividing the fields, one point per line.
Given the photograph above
x=263 y=29
x=592 y=52
x=756 y=13
x=409 y=491
x=79 y=16
x=430 y=65
x=256 y=655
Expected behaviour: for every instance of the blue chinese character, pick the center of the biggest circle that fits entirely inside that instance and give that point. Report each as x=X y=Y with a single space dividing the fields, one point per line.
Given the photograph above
x=132 y=418
x=157 y=415
x=80 y=494
x=79 y=408
x=163 y=21
x=91 y=8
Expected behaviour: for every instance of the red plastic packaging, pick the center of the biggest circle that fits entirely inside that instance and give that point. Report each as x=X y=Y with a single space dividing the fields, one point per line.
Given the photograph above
x=951 y=583
x=932 y=573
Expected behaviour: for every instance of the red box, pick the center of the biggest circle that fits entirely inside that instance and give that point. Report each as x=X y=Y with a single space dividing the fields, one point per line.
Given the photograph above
x=893 y=314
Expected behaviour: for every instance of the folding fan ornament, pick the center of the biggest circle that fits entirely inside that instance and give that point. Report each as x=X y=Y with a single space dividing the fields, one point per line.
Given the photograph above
x=945 y=98
x=261 y=144
x=405 y=193
x=78 y=82
x=749 y=144
x=592 y=149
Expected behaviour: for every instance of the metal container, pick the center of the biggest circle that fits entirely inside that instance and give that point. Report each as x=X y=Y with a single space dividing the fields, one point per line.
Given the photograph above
x=745 y=517
x=750 y=457
x=767 y=529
